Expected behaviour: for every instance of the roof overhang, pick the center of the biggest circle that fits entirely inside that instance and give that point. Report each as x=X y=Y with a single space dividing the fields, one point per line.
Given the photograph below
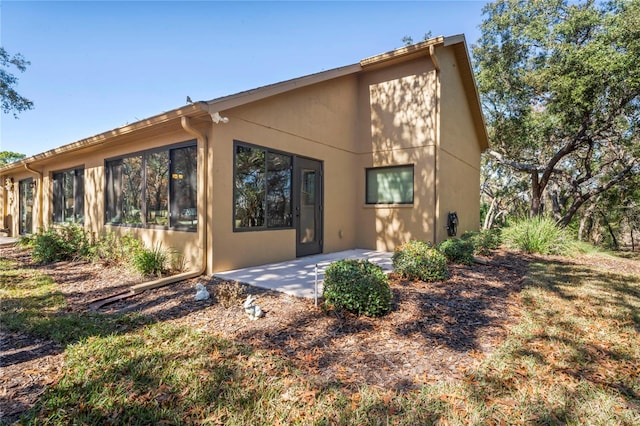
x=169 y=119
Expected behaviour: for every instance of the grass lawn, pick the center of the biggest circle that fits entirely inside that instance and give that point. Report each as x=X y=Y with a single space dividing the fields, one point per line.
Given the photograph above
x=573 y=358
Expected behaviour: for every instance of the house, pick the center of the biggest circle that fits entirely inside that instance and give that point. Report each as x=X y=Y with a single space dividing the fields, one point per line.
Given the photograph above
x=368 y=155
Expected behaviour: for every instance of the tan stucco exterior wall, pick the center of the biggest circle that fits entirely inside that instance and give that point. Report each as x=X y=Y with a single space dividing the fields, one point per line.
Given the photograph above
x=317 y=122
x=93 y=162
x=385 y=115
x=459 y=153
x=398 y=124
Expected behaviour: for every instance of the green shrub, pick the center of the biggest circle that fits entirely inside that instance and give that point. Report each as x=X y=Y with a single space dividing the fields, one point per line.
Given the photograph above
x=150 y=261
x=48 y=247
x=457 y=250
x=538 y=235
x=62 y=243
x=357 y=286
x=111 y=249
x=25 y=241
x=484 y=241
x=419 y=260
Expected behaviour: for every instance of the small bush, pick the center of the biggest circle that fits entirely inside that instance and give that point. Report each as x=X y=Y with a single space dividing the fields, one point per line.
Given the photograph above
x=419 y=260
x=538 y=235
x=229 y=294
x=357 y=286
x=25 y=241
x=178 y=261
x=48 y=247
x=63 y=243
x=457 y=250
x=111 y=249
x=484 y=241
x=150 y=261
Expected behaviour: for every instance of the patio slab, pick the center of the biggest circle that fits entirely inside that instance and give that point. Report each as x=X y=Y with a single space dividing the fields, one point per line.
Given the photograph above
x=298 y=277
x=7 y=241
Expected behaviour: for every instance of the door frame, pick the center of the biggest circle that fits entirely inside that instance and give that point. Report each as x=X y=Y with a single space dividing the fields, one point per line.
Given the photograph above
x=24 y=186
x=300 y=164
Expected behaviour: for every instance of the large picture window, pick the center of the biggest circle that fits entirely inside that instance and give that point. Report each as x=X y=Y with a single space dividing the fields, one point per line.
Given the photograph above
x=68 y=196
x=262 y=190
x=153 y=188
x=390 y=185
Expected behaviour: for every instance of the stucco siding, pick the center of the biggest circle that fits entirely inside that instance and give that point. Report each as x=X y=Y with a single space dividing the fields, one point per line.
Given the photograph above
x=316 y=122
x=398 y=125
x=459 y=151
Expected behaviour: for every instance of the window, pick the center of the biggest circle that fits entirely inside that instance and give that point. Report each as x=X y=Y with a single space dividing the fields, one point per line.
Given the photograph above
x=68 y=196
x=262 y=190
x=390 y=185
x=155 y=188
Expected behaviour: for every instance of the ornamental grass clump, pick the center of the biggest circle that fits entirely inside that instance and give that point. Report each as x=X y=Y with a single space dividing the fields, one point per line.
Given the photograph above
x=538 y=235
x=150 y=261
x=418 y=260
x=357 y=286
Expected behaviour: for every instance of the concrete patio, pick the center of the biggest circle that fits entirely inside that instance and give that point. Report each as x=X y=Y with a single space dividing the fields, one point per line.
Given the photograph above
x=298 y=277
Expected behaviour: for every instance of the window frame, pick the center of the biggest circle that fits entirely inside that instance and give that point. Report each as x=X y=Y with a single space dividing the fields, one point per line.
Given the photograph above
x=143 y=210
x=78 y=177
x=267 y=151
x=389 y=203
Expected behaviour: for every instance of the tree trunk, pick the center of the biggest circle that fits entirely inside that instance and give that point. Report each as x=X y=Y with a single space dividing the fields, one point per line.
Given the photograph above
x=613 y=236
x=488 y=219
x=583 y=221
x=536 y=195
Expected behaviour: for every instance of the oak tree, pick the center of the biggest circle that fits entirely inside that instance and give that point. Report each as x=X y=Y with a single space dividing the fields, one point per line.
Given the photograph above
x=560 y=87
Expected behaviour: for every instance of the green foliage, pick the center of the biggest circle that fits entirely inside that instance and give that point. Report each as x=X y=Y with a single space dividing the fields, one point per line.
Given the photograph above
x=111 y=249
x=357 y=286
x=7 y=157
x=61 y=243
x=10 y=100
x=484 y=241
x=25 y=240
x=559 y=81
x=150 y=261
x=538 y=235
x=229 y=293
x=457 y=250
x=418 y=260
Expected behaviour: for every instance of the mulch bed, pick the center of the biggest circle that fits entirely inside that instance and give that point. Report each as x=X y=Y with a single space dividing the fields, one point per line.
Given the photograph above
x=435 y=332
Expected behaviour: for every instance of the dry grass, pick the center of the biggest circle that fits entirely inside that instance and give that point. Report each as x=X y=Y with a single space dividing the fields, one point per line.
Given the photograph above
x=573 y=358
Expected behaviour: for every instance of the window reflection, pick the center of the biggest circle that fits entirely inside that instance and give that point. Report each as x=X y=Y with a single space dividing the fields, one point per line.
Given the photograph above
x=262 y=188
x=156 y=188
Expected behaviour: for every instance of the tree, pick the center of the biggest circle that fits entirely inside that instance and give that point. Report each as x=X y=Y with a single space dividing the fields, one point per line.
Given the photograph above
x=408 y=40
x=560 y=87
x=7 y=157
x=11 y=100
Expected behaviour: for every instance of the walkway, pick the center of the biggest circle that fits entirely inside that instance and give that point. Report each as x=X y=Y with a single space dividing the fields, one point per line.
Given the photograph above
x=297 y=277
x=7 y=241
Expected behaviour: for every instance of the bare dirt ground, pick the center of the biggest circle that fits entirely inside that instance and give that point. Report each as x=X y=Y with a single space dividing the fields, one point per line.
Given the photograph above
x=435 y=331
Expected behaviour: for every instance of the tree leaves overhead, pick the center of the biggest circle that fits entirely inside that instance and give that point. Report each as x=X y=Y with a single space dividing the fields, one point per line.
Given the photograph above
x=7 y=157
x=11 y=100
x=560 y=86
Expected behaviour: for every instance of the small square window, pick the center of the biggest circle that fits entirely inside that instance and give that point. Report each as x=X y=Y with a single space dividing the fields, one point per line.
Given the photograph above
x=389 y=185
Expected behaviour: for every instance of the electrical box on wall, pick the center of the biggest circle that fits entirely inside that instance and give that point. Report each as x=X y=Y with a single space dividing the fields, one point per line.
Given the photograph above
x=452 y=224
